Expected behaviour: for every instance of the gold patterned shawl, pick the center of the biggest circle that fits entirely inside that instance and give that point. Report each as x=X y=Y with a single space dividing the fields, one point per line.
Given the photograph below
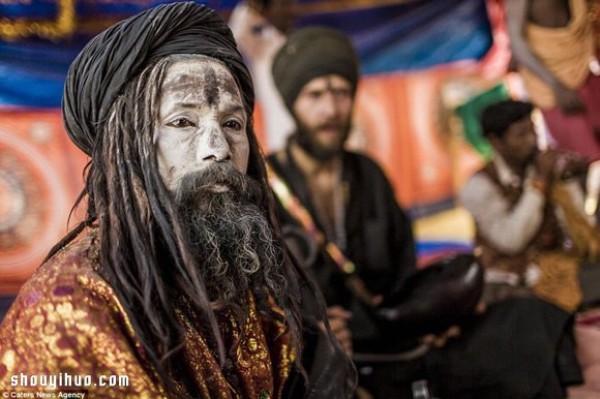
x=68 y=323
x=559 y=282
x=566 y=52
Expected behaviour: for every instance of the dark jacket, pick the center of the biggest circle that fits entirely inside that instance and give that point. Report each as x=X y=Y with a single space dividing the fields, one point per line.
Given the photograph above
x=378 y=235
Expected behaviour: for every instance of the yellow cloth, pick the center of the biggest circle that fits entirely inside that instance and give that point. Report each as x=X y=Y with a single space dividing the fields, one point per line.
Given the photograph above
x=559 y=282
x=566 y=52
x=67 y=321
x=586 y=238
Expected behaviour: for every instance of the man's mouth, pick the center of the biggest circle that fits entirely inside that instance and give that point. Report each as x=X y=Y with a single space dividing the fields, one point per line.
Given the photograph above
x=330 y=129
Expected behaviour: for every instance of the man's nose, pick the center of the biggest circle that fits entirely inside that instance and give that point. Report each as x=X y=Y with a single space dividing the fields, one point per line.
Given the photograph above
x=214 y=146
x=329 y=105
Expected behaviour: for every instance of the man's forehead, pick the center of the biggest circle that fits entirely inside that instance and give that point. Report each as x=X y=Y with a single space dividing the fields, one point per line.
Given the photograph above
x=199 y=70
x=327 y=82
x=523 y=124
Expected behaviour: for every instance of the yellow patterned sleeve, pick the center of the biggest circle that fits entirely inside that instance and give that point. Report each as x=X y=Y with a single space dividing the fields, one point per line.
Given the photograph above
x=67 y=336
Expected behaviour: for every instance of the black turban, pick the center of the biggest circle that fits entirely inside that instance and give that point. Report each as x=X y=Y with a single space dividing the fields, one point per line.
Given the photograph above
x=309 y=53
x=111 y=59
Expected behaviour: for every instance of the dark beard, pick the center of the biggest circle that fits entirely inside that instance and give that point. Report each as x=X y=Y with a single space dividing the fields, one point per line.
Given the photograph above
x=305 y=140
x=230 y=236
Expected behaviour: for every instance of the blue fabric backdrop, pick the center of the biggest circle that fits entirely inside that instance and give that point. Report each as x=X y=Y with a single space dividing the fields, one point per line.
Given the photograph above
x=389 y=38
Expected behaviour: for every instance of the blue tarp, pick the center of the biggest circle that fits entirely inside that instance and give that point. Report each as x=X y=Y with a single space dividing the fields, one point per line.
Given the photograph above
x=414 y=35
x=92 y=9
x=389 y=38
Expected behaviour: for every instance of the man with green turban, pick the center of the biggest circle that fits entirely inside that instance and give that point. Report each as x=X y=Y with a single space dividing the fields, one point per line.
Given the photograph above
x=350 y=206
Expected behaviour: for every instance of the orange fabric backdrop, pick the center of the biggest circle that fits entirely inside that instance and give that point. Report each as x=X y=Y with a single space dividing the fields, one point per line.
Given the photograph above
x=40 y=177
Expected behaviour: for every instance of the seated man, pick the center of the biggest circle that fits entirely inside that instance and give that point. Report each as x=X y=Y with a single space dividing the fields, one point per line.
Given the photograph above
x=528 y=210
x=346 y=203
x=519 y=215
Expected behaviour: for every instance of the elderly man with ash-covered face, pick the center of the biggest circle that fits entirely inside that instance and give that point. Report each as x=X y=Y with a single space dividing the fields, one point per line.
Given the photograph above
x=177 y=279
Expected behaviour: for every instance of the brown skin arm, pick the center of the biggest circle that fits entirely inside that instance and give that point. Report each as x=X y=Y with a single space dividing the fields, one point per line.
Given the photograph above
x=439 y=340
x=516 y=15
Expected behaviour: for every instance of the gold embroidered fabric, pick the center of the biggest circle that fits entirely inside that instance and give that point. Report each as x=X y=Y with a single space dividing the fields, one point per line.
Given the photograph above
x=559 y=280
x=67 y=332
x=566 y=52
x=252 y=370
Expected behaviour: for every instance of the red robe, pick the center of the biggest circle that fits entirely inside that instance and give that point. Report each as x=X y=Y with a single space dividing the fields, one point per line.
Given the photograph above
x=67 y=332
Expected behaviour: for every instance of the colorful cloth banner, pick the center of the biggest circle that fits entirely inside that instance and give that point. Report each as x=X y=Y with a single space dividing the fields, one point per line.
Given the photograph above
x=411 y=35
x=389 y=37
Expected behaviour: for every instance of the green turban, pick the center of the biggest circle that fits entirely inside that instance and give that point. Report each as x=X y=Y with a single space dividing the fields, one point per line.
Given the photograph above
x=310 y=53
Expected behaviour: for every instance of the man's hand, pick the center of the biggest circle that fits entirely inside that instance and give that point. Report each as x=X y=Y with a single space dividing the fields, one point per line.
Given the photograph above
x=559 y=164
x=338 y=321
x=439 y=340
x=256 y=37
x=545 y=164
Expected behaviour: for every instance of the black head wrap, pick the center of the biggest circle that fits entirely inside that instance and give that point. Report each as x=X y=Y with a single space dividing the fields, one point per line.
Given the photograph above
x=309 y=53
x=111 y=59
x=497 y=118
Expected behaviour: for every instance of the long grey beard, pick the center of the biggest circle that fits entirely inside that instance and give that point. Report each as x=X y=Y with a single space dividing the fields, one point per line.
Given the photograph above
x=230 y=236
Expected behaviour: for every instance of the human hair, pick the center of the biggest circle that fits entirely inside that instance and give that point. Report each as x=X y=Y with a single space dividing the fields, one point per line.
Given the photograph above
x=143 y=251
x=497 y=118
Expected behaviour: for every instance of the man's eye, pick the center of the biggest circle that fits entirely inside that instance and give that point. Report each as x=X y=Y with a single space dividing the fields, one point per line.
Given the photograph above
x=181 y=123
x=233 y=124
x=341 y=93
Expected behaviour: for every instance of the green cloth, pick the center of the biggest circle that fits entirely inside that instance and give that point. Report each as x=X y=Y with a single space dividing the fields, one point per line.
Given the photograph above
x=309 y=53
x=470 y=113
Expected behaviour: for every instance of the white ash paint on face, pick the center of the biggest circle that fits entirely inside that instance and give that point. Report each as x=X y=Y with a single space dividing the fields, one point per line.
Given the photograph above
x=201 y=120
